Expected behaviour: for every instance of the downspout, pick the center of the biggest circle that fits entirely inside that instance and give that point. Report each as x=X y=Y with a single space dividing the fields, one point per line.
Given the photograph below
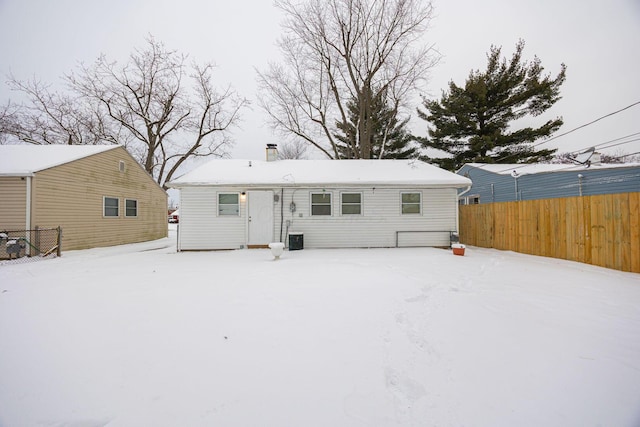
x=281 y=212
x=580 y=176
x=28 y=211
x=458 y=209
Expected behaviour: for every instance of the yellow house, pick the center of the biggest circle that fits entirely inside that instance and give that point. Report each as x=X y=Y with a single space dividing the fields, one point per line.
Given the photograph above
x=98 y=194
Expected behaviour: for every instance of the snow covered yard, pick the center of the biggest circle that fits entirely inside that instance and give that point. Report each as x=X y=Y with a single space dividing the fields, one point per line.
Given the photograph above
x=141 y=335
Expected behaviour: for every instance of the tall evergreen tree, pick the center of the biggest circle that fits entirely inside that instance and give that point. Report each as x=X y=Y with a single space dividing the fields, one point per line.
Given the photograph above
x=389 y=138
x=474 y=123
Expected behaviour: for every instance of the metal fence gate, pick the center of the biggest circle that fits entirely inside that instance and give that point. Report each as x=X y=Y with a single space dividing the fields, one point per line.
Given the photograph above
x=30 y=245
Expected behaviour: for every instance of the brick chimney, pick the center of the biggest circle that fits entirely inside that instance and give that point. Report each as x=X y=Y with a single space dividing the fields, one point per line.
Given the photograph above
x=272 y=152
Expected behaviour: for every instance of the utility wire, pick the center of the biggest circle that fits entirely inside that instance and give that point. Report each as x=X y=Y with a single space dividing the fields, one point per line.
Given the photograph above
x=587 y=124
x=627 y=155
x=620 y=143
x=575 y=129
x=580 y=127
x=607 y=142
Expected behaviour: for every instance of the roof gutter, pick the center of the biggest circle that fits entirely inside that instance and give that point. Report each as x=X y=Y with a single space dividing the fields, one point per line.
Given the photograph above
x=18 y=174
x=322 y=184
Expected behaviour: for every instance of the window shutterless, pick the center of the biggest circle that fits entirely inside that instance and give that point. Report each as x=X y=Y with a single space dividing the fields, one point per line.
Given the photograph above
x=228 y=204
x=111 y=207
x=411 y=203
x=351 y=204
x=320 y=204
x=130 y=208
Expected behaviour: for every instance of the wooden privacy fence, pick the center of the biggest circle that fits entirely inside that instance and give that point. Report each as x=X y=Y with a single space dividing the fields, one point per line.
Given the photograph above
x=602 y=230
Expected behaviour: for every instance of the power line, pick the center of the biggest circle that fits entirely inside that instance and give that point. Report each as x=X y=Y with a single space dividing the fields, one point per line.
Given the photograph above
x=580 y=127
x=619 y=143
x=607 y=142
x=587 y=124
x=627 y=155
x=577 y=128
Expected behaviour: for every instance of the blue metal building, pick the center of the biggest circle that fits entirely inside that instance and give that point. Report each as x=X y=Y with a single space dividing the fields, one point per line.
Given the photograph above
x=511 y=182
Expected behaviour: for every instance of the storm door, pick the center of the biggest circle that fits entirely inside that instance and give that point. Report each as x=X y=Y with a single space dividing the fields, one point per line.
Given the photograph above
x=260 y=208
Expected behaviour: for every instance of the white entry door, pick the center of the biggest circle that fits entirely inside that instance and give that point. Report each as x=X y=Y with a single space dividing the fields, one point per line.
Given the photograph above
x=260 y=206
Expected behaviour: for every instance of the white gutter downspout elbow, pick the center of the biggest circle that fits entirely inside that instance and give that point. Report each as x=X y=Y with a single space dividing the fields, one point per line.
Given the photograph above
x=464 y=192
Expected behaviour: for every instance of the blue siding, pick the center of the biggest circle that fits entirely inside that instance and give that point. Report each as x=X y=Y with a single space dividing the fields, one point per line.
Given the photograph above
x=493 y=187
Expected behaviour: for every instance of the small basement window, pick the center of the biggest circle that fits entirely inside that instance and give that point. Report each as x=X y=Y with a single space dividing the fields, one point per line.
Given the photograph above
x=320 y=204
x=411 y=203
x=110 y=207
x=228 y=204
x=351 y=204
x=130 y=208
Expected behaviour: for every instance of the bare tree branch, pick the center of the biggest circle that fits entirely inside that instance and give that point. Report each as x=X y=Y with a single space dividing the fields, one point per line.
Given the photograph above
x=338 y=50
x=161 y=109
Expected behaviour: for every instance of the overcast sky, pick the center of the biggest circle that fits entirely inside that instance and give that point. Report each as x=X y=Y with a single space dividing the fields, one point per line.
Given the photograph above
x=599 y=41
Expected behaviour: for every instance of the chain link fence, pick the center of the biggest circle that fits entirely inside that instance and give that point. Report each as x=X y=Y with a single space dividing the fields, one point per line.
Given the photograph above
x=18 y=246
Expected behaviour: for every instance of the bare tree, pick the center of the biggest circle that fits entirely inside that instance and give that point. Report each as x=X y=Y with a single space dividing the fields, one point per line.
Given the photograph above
x=8 y=121
x=295 y=149
x=336 y=51
x=51 y=117
x=161 y=109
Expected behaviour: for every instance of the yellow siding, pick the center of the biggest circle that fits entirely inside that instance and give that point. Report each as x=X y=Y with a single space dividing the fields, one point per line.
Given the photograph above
x=71 y=196
x=13 y=203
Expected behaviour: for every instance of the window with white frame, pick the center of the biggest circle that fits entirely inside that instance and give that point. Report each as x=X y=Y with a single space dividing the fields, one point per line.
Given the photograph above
x=320 y=204
x=228 y=204
x=130 y=208
x=111 y=207
x=411 y=203
x=351 y=204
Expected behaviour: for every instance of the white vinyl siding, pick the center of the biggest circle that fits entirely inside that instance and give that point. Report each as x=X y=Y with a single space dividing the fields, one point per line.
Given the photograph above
x=201 y=228
x=376 y=226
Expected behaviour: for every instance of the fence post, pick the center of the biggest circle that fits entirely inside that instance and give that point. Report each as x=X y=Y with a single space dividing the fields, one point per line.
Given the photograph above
x=59 y=249
x=36 y=240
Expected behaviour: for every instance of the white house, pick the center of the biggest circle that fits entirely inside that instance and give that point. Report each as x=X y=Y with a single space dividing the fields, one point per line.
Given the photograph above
x=231 y=204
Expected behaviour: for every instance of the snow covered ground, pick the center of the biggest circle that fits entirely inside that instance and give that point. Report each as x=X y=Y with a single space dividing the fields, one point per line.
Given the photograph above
x=140 y=335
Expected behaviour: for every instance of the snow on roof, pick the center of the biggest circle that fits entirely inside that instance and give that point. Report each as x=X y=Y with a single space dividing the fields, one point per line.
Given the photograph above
x=533 y=168
x=22 y=160
x=291 y=173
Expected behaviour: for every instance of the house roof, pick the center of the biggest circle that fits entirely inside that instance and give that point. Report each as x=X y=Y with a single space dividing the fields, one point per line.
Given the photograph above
x=25 y=160
x=534 y=168
x=291 y=173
